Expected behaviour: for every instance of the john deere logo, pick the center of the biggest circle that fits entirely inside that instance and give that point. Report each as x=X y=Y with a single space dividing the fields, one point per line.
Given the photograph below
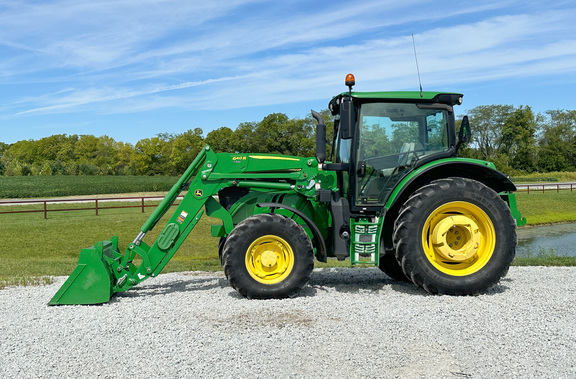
x=198 y=193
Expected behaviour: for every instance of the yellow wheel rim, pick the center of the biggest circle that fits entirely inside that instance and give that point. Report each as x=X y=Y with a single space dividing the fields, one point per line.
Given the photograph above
x=269 y=259
x=458 y=238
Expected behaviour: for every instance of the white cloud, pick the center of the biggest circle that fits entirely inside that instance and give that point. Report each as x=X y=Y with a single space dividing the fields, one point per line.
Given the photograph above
x=75 y=98
x=129 y=56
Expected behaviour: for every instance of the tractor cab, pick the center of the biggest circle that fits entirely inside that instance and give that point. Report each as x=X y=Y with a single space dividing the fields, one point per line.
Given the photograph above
x=380 y=137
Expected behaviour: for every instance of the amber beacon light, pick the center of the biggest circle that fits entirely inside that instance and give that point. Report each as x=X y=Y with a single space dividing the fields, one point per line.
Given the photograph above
x=350 y=80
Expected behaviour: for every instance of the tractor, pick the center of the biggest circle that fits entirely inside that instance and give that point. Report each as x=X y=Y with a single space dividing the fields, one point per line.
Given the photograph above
x=393 y=194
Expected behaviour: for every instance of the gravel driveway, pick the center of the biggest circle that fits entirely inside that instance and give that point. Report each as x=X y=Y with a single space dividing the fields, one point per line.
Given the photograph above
x=347 y=323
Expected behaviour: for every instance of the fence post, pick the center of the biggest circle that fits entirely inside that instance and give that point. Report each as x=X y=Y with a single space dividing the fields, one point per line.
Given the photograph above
x=142 y=204
x=96 y=207
x=45 y=211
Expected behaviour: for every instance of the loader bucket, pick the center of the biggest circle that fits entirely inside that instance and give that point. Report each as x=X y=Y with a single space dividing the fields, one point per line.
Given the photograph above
x=92 y=280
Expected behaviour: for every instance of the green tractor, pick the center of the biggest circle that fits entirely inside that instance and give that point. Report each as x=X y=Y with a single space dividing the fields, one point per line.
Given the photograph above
x=394 y=194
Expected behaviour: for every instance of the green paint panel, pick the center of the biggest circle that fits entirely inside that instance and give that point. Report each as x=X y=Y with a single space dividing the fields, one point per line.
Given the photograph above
x=168 y=236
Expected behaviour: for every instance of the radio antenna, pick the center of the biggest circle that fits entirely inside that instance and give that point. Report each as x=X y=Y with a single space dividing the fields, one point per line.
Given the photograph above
x=417 y=68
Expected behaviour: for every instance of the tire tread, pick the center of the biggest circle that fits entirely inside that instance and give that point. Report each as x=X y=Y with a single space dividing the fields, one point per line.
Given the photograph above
x=236 y=273
x=405 y=232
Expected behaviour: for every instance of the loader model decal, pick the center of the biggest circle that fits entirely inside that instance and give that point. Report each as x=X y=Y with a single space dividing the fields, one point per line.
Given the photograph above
x=182 y=217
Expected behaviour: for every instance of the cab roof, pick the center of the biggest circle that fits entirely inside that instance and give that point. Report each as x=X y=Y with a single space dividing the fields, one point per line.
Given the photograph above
x=450 y=98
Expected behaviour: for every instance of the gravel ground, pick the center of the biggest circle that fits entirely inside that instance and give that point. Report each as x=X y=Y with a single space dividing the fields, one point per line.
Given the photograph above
x=347 y=323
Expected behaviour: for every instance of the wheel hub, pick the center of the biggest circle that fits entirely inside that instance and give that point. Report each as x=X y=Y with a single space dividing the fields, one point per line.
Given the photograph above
x=456 y=238
x=269 y=259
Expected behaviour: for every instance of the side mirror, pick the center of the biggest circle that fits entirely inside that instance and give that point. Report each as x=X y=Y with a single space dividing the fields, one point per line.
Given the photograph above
x=346 y=118
x=464 y=134
x=320 y=137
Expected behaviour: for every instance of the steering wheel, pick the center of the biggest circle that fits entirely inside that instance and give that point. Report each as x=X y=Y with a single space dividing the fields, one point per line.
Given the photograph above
x=390 y=161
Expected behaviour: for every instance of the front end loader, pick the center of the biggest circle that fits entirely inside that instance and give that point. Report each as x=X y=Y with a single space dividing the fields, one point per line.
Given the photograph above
x=393 y=194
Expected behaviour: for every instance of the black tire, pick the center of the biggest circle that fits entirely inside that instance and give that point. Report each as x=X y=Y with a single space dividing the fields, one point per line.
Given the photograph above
x=221 y=243
x=268 y=256
x=390 y=266
x=455 y=236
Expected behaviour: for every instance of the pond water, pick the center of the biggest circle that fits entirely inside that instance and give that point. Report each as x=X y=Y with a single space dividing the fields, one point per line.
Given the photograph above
x=561 y=238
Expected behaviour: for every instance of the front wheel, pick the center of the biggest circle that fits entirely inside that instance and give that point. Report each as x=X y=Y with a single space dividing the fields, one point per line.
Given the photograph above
x=268 y=256
x=455 y=236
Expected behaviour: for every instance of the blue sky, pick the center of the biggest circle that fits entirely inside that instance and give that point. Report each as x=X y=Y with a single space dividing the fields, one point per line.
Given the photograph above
x=131 y=69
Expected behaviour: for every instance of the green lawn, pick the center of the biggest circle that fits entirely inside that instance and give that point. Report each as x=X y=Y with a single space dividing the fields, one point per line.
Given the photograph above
x=56 y=186
x=34 y=246
x=547 y=207
x=546 y=177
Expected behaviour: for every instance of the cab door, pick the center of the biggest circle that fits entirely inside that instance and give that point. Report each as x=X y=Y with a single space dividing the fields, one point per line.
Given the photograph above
x=391 y=138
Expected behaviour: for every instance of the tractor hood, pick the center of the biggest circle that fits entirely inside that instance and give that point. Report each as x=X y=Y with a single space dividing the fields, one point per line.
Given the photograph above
x=240 y=163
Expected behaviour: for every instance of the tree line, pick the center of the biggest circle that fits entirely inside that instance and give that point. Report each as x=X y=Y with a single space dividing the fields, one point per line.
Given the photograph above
x=520 y=141
x=164 y=154
x=515 y=138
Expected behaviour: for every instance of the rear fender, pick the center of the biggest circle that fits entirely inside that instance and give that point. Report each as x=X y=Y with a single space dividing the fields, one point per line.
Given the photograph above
x=481 y=171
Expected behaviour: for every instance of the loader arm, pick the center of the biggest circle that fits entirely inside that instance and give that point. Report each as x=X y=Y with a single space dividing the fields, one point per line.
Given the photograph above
x=104 y=270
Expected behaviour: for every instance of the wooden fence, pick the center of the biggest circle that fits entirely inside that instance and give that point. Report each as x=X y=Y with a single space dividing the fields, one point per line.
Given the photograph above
x=546 y=187
x=96 y=204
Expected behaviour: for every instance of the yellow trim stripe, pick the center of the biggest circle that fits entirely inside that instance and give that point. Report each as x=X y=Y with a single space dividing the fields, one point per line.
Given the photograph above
x=278 y=158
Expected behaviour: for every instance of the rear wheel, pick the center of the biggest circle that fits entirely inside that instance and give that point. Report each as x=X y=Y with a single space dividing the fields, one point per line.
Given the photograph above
x=392 y=268
x=455 y=236
x=268 y=256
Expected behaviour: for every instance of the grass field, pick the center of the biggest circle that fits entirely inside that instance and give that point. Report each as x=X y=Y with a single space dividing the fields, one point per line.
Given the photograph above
x=32 y=248
x=12 y=187
x=546 y=177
